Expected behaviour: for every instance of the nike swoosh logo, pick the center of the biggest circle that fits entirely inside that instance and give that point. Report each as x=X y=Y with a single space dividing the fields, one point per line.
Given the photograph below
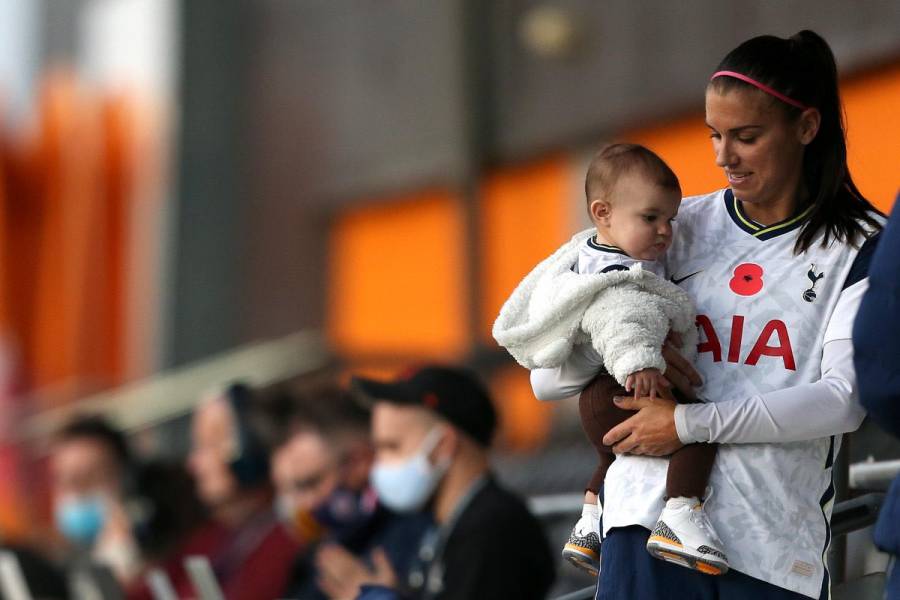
x=678 y=281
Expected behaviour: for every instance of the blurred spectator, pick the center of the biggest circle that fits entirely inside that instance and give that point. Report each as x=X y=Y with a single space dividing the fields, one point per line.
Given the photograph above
x=432 y=431
x=43 y=579
x=876 y=342
x=322 y=472
x=250 y=553
x=169 y=507
x=92 y=480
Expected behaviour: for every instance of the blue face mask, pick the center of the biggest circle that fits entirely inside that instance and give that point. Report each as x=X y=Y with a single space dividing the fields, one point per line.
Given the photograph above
x=80 y=519
x=407 y=486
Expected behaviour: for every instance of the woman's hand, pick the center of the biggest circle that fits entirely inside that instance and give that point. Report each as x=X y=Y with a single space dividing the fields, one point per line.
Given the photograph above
x=679 y=371
x=650 y=431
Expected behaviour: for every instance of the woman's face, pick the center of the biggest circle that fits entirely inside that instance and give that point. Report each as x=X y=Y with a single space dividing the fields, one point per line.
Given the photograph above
x=757 y=145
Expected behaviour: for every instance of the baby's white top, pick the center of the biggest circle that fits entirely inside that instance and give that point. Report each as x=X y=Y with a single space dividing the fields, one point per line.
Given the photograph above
x=594 y=257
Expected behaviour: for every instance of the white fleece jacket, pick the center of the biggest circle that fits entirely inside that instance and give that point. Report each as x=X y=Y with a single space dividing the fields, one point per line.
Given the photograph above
x=625 y=315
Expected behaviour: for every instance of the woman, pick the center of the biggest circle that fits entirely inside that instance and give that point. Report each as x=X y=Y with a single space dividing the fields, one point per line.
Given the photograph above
x=776 y=264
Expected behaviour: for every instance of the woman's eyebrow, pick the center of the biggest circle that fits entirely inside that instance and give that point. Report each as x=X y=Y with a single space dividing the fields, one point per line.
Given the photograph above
x=737 y=129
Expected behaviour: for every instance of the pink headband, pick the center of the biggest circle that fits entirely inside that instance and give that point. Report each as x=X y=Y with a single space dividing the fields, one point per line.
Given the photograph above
x=761 y=86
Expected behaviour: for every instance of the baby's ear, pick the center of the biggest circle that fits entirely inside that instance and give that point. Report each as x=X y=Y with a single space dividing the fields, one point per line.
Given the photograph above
x=599 y=210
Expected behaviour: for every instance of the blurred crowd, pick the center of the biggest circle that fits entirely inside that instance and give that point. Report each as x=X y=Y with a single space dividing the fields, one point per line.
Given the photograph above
x=373 y=489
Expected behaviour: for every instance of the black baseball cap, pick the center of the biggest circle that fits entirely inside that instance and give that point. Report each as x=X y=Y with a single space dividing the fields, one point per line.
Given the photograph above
x=454 y=393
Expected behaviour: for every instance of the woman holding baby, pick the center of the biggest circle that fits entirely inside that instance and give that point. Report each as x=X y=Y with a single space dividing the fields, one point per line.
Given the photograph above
x=776 y=264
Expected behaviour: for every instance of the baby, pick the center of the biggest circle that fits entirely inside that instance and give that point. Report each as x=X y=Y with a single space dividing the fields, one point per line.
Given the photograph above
x=607 y=288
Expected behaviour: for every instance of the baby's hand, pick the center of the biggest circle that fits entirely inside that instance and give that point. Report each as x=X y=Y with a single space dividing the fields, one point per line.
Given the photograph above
x=646 y=382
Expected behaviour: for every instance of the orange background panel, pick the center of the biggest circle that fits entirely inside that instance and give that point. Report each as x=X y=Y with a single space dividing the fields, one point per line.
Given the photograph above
x=873 y=128
x=524 y=218
x=65 y=215
x=62 y=251
x=398 y=282
x=75 y=158
x=684 y=144
x=525 y=422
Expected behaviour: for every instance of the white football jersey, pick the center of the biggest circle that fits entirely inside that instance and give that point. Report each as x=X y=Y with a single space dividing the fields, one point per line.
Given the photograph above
x=595 y=257
x=763 y=316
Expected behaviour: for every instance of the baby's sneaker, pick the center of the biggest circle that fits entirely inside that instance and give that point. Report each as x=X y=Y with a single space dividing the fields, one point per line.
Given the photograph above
x=583 y=547
x=684 y=536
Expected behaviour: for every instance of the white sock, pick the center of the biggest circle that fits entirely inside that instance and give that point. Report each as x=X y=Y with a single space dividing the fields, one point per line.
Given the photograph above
x=679 y=501
x=590 y=510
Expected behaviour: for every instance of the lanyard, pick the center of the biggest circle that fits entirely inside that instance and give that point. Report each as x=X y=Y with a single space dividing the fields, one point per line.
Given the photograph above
x=428 y=574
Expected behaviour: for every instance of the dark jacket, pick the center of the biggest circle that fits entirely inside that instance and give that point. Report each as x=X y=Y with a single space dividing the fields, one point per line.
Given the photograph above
x=876 y=341
x=494 y=548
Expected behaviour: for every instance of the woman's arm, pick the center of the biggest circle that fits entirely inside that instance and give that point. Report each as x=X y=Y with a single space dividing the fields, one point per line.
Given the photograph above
x=826 y=407
x=569 y=378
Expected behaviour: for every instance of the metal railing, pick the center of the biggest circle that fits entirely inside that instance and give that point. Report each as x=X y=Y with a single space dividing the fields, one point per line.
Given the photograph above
x=871 y=475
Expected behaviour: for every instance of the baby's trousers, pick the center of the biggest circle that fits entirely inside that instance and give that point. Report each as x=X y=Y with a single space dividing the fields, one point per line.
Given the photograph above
x=689 y=467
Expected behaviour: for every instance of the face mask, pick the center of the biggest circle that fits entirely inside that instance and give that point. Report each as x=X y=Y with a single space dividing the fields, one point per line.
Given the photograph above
x=344 y=512
x=340 y=515
x=407 y=486
x=80 y=519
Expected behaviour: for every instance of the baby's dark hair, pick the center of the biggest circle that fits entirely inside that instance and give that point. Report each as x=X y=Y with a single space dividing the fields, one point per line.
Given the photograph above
x=612 y=161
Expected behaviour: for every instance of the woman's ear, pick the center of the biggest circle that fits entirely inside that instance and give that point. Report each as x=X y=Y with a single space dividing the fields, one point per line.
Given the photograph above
x=809 y=122
x=599 y=210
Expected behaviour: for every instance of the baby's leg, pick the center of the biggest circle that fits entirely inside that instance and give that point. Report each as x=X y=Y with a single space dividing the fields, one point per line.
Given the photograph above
x=599 y=414
x=684 y=534
x=604 y=460
x=689 y=468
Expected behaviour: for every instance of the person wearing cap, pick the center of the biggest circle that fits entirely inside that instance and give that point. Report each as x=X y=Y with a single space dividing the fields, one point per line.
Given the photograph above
x=432 y=430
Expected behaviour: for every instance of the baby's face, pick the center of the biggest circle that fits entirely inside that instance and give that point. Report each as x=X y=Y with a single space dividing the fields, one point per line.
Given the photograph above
x=640 y=217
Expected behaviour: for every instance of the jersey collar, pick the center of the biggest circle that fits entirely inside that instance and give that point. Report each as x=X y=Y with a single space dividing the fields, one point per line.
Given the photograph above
x=757 y=230
x=593 y=243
